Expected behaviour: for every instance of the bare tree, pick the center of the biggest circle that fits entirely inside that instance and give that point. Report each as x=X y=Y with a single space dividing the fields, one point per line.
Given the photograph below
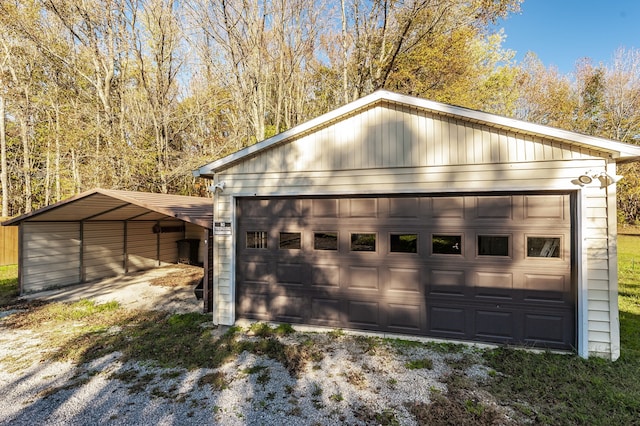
x=157 y=43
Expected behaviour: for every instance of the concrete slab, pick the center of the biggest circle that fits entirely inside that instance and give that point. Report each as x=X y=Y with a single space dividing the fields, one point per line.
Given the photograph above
x=134 y=291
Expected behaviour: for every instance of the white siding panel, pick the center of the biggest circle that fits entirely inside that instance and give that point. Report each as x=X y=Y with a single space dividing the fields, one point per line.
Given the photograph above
x=600 y=316
x=599 y=339
x=599 y=326
x=599 y=305
x=50 y=255
x=602 y=295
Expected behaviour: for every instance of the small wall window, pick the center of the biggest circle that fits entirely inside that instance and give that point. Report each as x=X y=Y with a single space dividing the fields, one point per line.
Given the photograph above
x=403 y=243
x=290 y=240
x=325 y=241
x=446 y=244
x=257 y=239
x=493 y=245
x=363 y=242
x=543 y=246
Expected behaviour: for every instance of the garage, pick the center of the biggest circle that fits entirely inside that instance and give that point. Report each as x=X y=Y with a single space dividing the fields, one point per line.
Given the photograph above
x=108 y=233
x=404 y=216
x=476 y=267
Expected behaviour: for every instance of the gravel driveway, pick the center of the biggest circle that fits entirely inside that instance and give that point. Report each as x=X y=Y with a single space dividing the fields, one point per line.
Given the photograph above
x=358 y=380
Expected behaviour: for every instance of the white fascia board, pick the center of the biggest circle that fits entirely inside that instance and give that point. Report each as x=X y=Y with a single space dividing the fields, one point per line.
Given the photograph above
x=617 y=150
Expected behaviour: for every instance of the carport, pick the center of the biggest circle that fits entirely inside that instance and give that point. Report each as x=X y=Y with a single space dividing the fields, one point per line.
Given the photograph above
x=106 y=233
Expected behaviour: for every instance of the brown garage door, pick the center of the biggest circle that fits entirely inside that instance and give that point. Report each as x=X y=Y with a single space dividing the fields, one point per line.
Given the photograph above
x=493 y=268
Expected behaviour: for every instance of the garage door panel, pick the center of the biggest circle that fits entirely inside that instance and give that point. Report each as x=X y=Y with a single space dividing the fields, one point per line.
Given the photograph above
x=363 y=314
x=447 y=282
x=405 y=318
x=404 y=207
x=546 y=288
x=496 y=296
x=363 y=207
x=288 y=308
x=495 y=325
x=494 y=285
x=326 y=311
x=494 y=207
x=449 y=321
x=362 y=278
x=255 y=306
x=325 y=276
x=252 y=271
x=545 y=207
x=325 y=208
x=290 y=274
x=404 y=280
x=450 y=207
x=552 y=329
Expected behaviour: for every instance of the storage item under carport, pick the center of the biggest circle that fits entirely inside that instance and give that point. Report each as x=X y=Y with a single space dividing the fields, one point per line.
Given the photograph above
x=188 y=251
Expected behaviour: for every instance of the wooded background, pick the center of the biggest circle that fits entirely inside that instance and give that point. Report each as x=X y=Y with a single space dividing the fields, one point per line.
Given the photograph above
x=135 y=94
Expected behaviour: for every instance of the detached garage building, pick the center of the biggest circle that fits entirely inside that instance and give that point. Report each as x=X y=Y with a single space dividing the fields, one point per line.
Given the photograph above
x=405 y=216
x=105 y=233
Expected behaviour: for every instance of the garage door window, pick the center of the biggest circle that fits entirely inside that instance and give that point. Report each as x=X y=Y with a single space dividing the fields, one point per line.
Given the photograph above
x=446 y=244
x=403 y=243
x=363 y=242
x=290 y=240
x=543 y=246
x=257 y=239
x=325 y=241
x=493 y=245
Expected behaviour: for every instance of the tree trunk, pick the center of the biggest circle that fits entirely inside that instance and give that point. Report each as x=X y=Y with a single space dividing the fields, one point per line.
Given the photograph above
x=3 y=161
x=26 y=161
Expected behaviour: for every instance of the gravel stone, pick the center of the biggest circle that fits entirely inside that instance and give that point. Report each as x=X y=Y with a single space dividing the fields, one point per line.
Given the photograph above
x=357 y=378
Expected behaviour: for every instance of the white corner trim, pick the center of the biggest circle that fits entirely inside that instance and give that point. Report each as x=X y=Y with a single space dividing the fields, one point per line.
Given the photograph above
x=232 y=278
x=583 y=276
x=612 y=226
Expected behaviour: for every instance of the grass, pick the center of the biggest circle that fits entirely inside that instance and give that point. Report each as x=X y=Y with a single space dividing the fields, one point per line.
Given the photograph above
x=8 y=284
x=565 y=389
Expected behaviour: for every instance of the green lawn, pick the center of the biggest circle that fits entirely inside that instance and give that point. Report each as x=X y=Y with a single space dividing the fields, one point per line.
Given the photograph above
x=8 y=284
x=564 y=389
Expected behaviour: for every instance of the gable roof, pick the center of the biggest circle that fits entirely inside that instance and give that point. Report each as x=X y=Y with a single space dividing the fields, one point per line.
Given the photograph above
x=618 y=151
x=108 y=204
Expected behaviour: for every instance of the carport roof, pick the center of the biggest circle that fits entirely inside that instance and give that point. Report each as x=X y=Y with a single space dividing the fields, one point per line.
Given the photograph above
x=115 y=205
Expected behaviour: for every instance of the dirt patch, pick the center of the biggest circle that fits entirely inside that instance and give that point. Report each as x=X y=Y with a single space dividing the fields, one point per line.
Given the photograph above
x=179 y=276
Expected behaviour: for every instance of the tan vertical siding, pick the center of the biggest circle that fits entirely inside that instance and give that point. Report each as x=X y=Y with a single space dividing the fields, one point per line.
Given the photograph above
x=50 y=255
x=103 y=253
x=142 y=252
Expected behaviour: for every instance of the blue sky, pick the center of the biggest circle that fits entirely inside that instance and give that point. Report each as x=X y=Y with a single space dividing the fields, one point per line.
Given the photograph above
x=560 y=32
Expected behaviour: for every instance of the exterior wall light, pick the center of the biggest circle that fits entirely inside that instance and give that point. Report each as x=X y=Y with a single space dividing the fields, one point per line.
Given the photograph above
x=218 y=186
x=605 y=178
